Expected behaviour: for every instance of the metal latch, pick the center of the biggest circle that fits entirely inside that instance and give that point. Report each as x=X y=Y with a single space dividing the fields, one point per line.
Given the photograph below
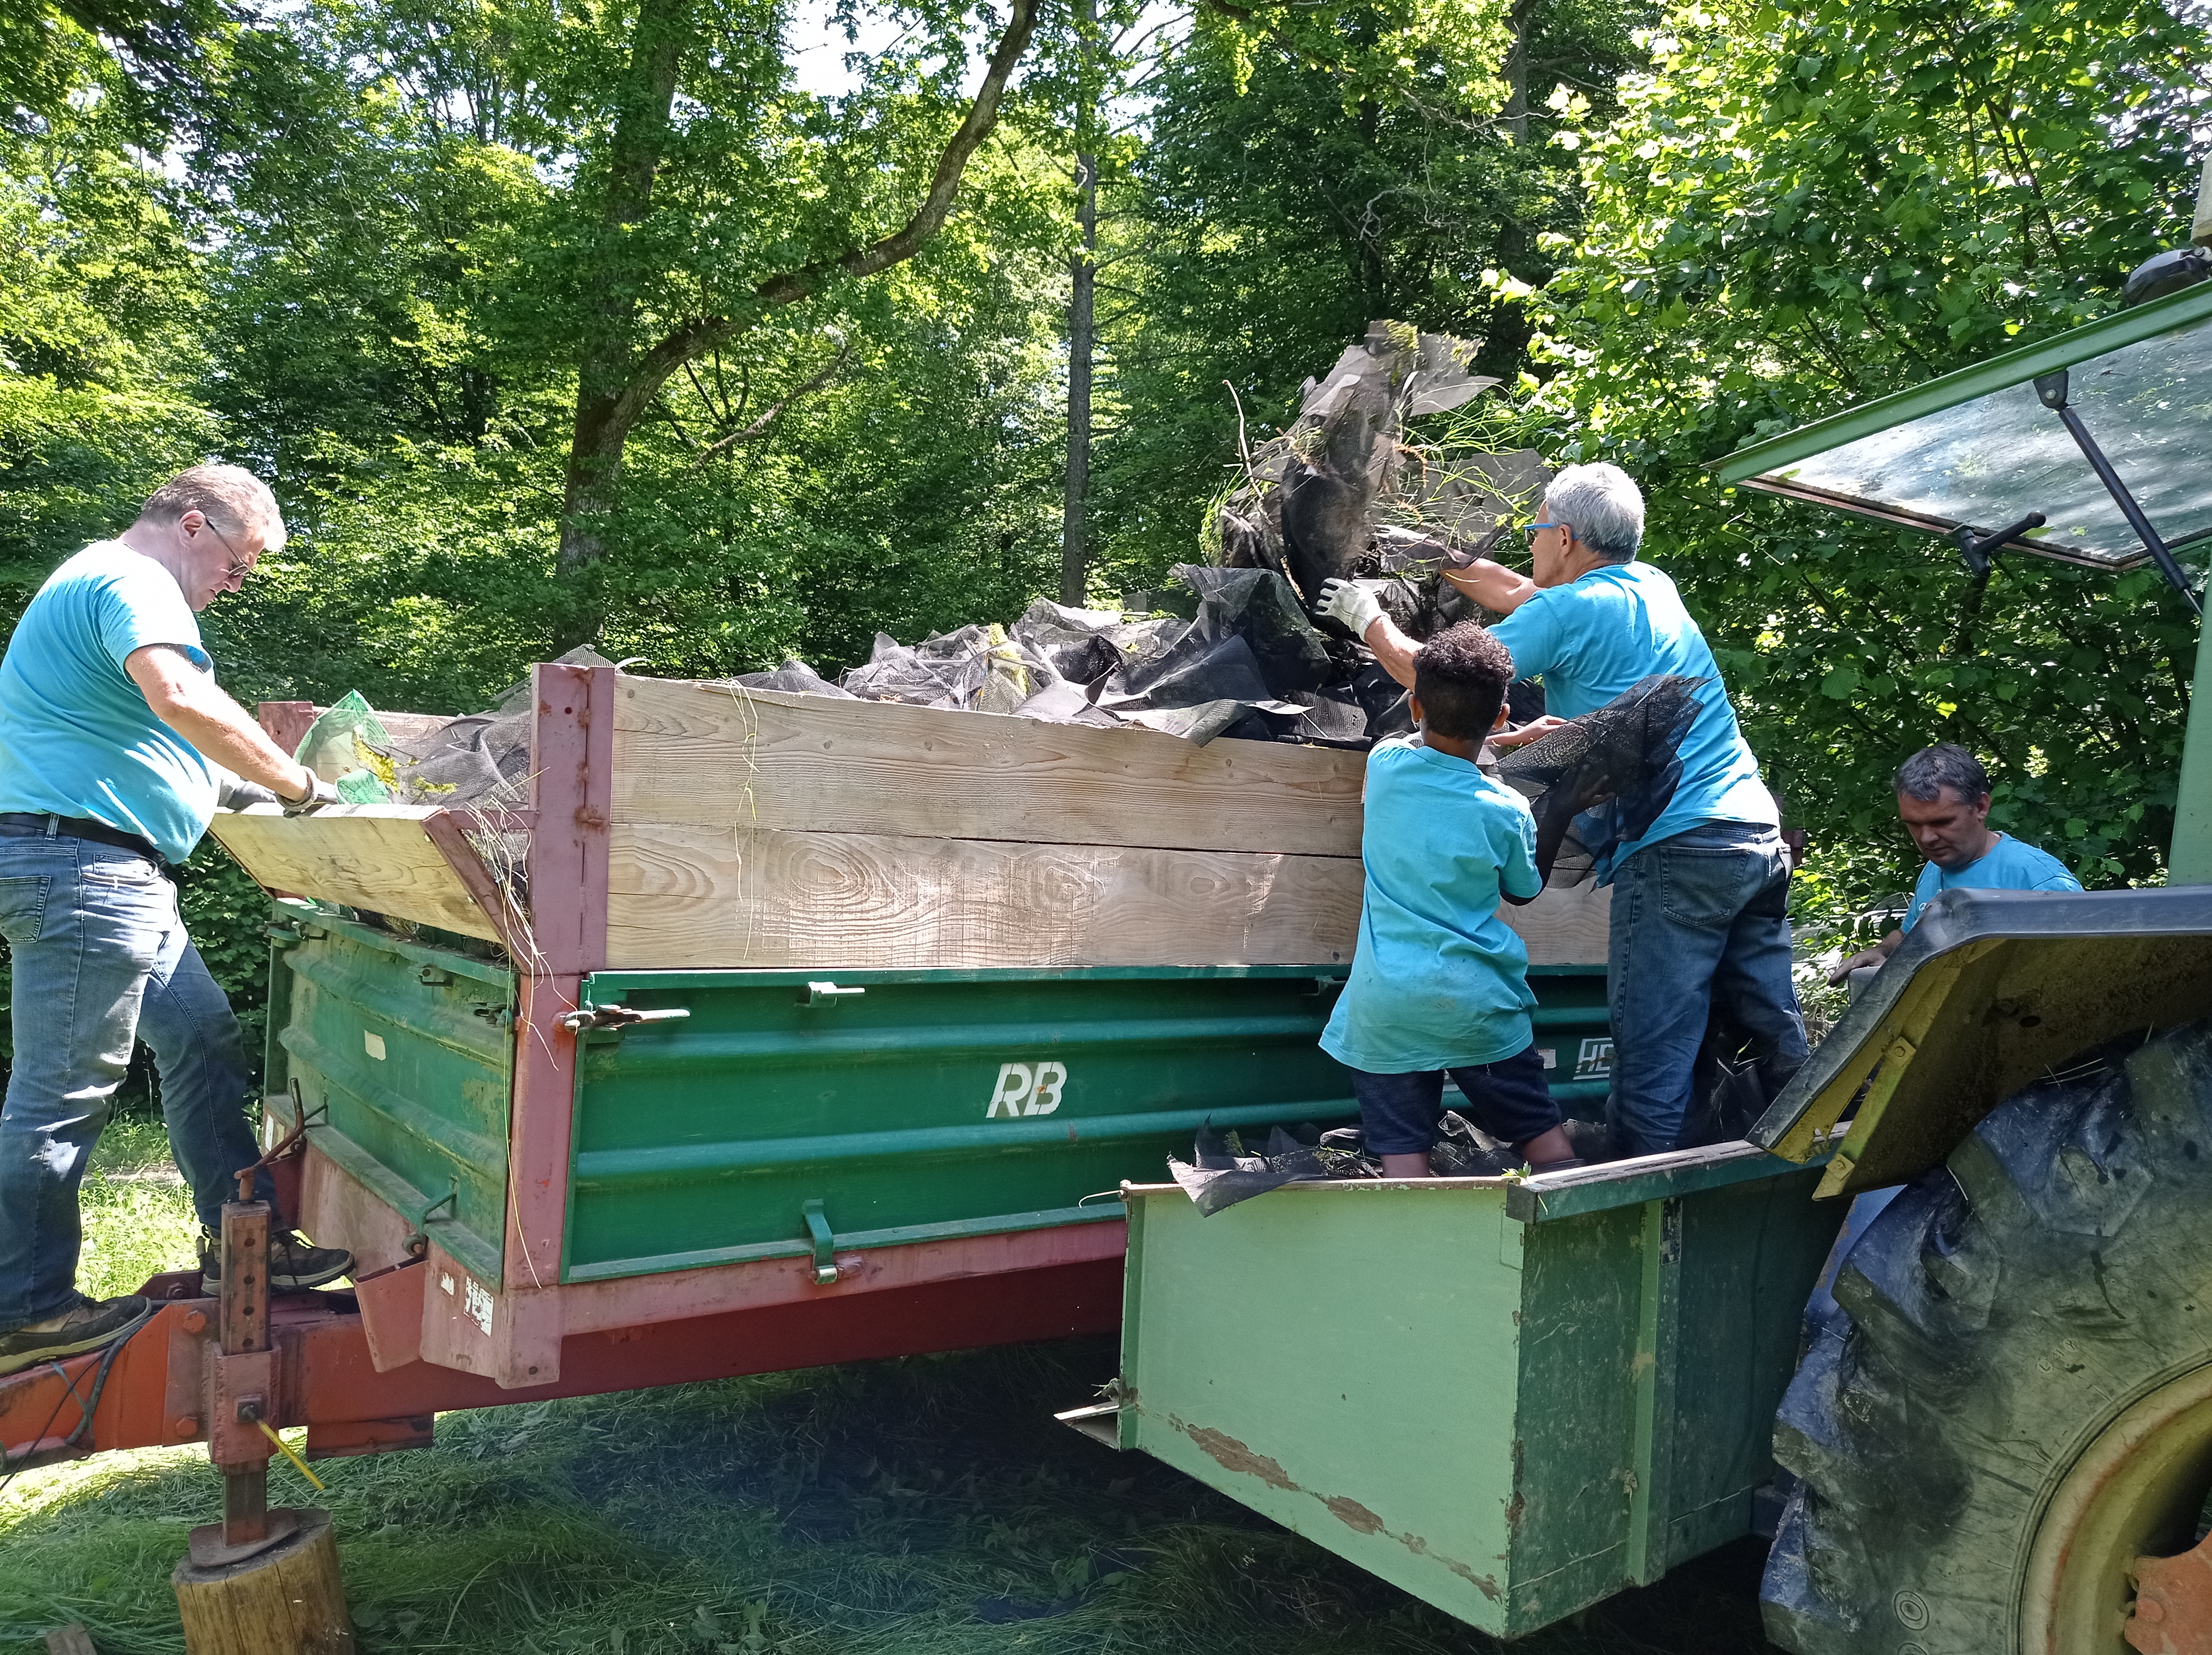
x=618 y=1017
x=825 y=1245
x=417 y=1244
x=819 y=993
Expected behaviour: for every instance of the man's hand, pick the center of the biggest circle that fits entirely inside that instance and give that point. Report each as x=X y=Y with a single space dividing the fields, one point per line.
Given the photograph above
x=1534 y=730
x=1875 y=956
x=320 y=792
x=1349 y=603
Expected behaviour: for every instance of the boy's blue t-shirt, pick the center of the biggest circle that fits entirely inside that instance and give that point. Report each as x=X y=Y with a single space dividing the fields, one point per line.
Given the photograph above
x=2007 y=865
x=76 y=737
x=1439 y=979
x=1594 y=639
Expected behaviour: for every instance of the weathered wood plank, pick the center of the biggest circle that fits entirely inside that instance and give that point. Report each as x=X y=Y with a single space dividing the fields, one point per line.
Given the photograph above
x=372 y=856
x=1569 y=926
x=684 y=894
x=719 y=757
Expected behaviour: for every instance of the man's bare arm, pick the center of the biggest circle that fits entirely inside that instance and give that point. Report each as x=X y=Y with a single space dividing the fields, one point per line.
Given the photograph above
x=191 y=703
x=1393 y=649
x=1493 y=586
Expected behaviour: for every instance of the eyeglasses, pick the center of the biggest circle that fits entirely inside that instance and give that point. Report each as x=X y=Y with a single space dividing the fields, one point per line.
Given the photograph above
x=239 y=567
x=1534 y=529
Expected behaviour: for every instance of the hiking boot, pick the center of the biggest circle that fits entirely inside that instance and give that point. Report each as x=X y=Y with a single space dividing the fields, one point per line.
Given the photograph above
x=293 y=1266
x=88 y=1324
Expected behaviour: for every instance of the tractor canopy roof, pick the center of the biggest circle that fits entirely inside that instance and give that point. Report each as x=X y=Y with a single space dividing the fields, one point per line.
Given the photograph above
x=1981 y=449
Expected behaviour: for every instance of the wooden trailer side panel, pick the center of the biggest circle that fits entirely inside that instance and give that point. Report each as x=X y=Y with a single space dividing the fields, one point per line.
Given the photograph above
x=716 y=756
x=753 y=828
x=689 y=897
x=368 y=856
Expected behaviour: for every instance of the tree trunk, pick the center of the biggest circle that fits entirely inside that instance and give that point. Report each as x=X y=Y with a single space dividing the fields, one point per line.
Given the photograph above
x=1514 y=117
x=1082 y=346
x=605 y=413
x=288 y=1600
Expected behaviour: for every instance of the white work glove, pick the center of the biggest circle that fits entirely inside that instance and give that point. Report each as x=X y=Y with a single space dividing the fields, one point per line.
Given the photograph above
x=1349 y=603
x=320 y=792
x=236 y=793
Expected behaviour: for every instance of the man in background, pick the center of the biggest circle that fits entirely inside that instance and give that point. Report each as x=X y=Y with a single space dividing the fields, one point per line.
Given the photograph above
x=115 y=745
x=1943 y=799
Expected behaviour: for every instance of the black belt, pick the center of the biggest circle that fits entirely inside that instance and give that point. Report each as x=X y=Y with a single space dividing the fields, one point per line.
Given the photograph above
x=20 y=824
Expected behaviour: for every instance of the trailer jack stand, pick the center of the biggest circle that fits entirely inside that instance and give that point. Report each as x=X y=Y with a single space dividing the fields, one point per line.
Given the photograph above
x=260 y=1582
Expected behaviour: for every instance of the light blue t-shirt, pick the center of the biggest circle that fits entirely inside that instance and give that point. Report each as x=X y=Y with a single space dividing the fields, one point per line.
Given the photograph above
x=76 y=737
x=2007 y=865
x=1594 y=638
x=1437 y=979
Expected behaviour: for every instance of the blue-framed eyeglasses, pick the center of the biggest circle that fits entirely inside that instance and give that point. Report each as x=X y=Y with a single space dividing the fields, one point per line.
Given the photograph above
x=1534 y=529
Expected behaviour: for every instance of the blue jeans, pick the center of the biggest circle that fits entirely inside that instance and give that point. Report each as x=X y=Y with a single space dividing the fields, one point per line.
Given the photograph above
x=100 y=957
x=1700 y=941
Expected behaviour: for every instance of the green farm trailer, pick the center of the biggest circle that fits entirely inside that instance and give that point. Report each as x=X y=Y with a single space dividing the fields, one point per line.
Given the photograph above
x=768 y=1031
x=1995 y=1437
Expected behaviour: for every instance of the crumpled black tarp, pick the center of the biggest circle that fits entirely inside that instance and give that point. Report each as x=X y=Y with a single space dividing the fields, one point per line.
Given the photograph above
x=1250 y=664
x=1216 y=1176
x=1600 y=781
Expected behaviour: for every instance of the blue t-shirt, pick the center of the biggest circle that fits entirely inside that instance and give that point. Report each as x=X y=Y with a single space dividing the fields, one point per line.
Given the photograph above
x=76 y=737
x=1437 y=979
x=2007 y=865
x=1593 y=639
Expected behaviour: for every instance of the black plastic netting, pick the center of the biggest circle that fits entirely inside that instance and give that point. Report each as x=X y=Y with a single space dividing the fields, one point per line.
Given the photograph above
x=480 y=759
x=1600 y=781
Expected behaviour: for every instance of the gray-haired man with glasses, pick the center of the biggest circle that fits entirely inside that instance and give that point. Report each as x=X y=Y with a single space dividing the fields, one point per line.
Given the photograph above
x=116 y=747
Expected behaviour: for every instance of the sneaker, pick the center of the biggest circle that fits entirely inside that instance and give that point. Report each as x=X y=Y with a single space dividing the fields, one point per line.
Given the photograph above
x=89 y=1324
x=294 y=1265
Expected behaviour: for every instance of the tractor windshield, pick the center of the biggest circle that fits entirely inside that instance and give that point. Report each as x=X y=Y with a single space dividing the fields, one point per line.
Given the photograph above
x=1985 y=447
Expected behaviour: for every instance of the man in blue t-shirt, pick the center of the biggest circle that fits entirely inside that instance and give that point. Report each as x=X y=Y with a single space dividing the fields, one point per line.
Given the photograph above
x=1700 y=931
x=116 y=747
x=1439 y=983
x=1943 y=799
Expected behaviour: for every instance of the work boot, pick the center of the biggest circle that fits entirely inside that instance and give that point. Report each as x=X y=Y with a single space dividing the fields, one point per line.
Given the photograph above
x=88 y=1324
x=294 y=1265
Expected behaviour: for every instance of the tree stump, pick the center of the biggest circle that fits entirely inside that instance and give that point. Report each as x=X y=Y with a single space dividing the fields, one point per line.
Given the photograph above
x=288 y=1600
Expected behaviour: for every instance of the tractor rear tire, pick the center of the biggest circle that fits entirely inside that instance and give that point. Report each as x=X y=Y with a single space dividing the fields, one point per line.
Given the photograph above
x=2005 y=1327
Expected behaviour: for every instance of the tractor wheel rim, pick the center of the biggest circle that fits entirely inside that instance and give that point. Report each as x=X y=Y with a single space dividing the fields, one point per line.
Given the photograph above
x=2140 y=1482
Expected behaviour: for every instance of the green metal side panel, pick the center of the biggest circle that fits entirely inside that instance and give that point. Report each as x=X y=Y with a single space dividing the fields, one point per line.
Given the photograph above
x=1751 y=1254
x=1510 y=1421
x=410 y=1049
x=933 y=1105
x=1344 y=1360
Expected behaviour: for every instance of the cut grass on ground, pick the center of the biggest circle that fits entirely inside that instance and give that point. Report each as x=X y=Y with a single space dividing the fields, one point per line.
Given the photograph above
x=927 y=1506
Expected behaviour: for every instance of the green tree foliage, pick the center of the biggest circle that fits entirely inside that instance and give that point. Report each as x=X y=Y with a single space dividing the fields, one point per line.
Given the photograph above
x=1274 y=211
x=98 y=352
x=1798 y=210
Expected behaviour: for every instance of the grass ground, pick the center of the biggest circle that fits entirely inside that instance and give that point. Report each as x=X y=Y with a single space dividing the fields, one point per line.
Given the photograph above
x=927 y=1506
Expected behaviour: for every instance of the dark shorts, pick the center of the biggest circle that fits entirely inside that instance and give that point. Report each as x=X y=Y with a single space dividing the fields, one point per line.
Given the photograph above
x=1507 y=1099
